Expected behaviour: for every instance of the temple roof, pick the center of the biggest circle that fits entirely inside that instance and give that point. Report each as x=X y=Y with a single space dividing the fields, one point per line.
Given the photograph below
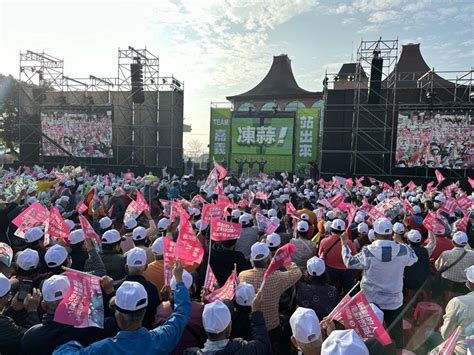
x=278 y=83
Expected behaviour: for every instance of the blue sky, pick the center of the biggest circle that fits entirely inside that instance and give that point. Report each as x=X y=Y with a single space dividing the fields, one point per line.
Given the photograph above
x=225 y=47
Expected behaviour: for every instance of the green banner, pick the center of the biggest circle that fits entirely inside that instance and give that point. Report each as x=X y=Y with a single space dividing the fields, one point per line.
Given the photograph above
x=307 y=131
x=262 y=136
x=219 y=147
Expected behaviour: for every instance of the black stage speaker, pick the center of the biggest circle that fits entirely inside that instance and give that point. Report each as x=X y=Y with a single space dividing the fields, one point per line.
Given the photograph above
x=375 y=79
x=136 y=71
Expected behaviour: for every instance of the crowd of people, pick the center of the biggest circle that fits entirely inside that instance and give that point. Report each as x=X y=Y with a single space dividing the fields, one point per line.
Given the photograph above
x=435 y=140
x=397 y=245
x=83 y=134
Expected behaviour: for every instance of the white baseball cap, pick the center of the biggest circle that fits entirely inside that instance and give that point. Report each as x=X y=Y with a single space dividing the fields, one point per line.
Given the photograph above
x=259 y=251
x=416 y=209
x=76 y=236
x=28 y=259
x=65 y=198
x=136 y=257
x=414 y=236
x=187 y=279
x=130 y=223
x=338 y=225
x=55 y=288
x=273 y=240
x=70 y=224
x=378 y=312
x=197 y=211
x=460 y=238
x=302 y=226
x=158 y=246
x=304 y=217
x=131 y=296
x=216 y=317
x=371 y=235
x=305 y=325
x=55 y=256
x=33 y=234
x=272 y=213
x=330 y=215
x=163 y=224
x=139 y=233
x=275 y=220
x=440 y=198
x=381 y=197
x=105 y=222
x=341 y=342
x=359 y=218
x=244 y=294
x=470 y=274
x=244 y=219
x=101 y=193
x=30 y=200
x=235 y=214
x=363 y=228
x=201 y=226
x=4 y=285
x=383 y=226
x=30 y=190
x=111 y=236
x=315 y=266
x=398 y=228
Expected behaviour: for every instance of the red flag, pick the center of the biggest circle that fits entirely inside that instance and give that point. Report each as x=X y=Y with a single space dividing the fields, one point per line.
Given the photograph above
x=351 y=212
x=227 y=291
x=79 y=307
x=349 y=182
x=220 y=169
x=366 y=206
x=358 y=181
x=141 y=202
x=439 y=176
x=261 y=196
x=429 y=187
x=168 y=259
x=432 y=224
x=210 y=279
x=464 y=203
x=265 y=224
x=471 y=182
x=132 y=211
x=222 y=230
x=57 y=228
x=386 y=186
x=359 y=315
x=448 y=346
x=188 y=248
x=81 y=208
x=89 y=232
x=282 y=257
x=449 y=206
x=336 y=200
x=197 y=199
x=461 y=224
x=407 y=206
x=110 y=211
x=291 y=210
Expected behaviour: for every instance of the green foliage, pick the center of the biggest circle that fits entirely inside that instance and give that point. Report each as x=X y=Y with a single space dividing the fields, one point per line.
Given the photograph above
x=9 y=127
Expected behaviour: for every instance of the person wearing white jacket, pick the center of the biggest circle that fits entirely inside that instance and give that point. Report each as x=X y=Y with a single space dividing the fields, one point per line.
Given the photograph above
x=383 y=263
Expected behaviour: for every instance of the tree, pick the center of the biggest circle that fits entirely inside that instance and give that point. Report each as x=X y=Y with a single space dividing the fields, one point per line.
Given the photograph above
x=195 y=148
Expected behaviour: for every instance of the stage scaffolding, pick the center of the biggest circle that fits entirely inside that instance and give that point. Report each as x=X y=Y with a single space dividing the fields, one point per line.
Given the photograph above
x=135 y=126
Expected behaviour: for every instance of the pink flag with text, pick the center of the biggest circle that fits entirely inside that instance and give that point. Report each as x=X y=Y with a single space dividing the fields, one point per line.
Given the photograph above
x=33 y=216
x=226 y=292
x=281 y=258
x=222 y=230
x=89 y=232
x=57 y=227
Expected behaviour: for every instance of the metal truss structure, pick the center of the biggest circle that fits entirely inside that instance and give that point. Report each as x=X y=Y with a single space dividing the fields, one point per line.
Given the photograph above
x=135 y=126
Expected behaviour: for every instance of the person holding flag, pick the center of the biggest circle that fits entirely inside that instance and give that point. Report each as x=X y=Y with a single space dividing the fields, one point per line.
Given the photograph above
x=382 y=263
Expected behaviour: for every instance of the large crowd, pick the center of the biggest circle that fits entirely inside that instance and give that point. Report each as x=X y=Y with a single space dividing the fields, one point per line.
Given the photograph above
x=174 y=278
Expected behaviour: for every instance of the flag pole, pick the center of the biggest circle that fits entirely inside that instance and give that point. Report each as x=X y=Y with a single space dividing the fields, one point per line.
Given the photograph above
x=348 y=293
x=209 y=254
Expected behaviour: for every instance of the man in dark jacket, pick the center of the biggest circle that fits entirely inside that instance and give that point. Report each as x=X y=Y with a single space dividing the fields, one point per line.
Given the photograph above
x=217 y=322
x=136 y=265
x=11 y=333
x=223 y=258
x=113 y=259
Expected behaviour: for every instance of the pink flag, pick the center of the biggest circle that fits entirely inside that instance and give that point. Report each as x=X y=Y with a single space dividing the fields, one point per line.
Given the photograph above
x=210 y=279
x=220 y=169
x=336 y=200
x=461 y=224
x=222 y=230
x=429 y=187
x=81 y=208
x=366 y=206
x=6 y=254
x=349 y=182
x=188 y=248
x=197 y=199
x=471 y=182
x=464 y=203
x=89 y=232
x=291 y=210
x=226 y=292
x=33 y=216
x=407 y=206
x=336 y=312
x=372 y=180
x=411 y=186
x=128 y=176
x=449 y=206
x=132 y=211
x=141 y=202
x=351 y=212
x=282 y=257
x=168 y=259
x=358 y=315
x=358 y=181
x=265 y=224
x=338 y=180
x=432 y=224
x=211 y=182
x=211 y=210
x=439 y=176
x=261 y=196
x=166 y=207
x=57 y=228
x=82 y=307
x=448 y=346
